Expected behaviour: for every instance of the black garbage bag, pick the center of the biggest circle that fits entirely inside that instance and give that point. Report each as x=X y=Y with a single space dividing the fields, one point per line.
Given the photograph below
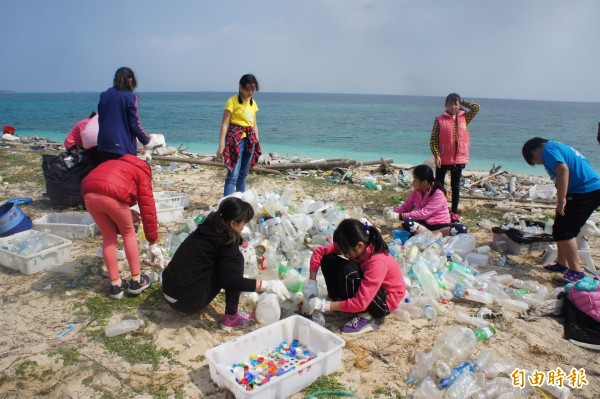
x=64 y=174
x=579 y=326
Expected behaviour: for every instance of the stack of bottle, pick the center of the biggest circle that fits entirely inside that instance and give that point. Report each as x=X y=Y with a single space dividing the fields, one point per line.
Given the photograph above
x=452 y=370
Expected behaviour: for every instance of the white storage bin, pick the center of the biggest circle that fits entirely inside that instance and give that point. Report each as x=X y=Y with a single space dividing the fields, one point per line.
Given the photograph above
x=68 y=225
x=172 y=197
x=165 y=213
x=325 y=344
x=57 y=251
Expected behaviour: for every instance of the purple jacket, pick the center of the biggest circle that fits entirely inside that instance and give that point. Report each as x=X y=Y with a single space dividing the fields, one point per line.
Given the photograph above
x=118 y=121
x=432 y=209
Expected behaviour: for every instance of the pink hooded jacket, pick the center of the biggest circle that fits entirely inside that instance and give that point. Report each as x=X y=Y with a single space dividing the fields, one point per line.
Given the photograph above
x=432 y=209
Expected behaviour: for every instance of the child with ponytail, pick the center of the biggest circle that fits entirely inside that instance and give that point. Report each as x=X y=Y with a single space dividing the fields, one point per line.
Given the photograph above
x=426 y=207
x=361 y=277
x=209 y=260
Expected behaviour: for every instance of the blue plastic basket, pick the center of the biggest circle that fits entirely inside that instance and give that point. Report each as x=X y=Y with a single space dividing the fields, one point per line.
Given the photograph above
x=403 y=235
x=12 y=220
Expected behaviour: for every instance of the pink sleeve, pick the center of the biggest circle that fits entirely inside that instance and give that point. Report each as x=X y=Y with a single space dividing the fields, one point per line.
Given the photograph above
x=374 y=274
x=74 y=136
x=407 y=205
x=317 y=256
x=435 y=204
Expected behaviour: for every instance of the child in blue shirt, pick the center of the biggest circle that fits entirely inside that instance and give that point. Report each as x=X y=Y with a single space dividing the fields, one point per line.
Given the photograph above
x=578 y=195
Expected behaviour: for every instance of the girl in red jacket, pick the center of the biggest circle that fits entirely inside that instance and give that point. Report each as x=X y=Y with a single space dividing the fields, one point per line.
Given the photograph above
x=426 y=207
x=109 y=191
x=360 y=274
x=450 y=144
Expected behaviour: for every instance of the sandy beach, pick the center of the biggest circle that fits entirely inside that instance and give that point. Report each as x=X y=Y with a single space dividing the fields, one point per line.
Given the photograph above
x=165 y=359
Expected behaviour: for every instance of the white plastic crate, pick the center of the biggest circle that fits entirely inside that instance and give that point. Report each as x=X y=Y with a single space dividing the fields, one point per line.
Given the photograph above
x=165 y=213
x=172 y=198
x=325 y=344
x=58 y=253
x=70 y=225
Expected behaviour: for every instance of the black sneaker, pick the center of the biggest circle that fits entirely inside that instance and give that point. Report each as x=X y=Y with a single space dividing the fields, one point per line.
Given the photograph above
x=136 y=287
x=116 y=291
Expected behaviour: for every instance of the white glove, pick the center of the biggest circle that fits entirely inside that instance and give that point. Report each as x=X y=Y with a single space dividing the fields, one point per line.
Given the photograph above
x=155 y=255
x=276 y=287
x=322 y=305
x=310 y=290
x=392 y=216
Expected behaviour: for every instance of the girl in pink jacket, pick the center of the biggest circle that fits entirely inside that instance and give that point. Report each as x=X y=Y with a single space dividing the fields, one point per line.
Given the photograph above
x=426 y=207
x=360 y=274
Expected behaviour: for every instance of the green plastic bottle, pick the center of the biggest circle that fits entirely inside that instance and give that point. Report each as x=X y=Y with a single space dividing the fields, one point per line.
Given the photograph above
x=484 y=333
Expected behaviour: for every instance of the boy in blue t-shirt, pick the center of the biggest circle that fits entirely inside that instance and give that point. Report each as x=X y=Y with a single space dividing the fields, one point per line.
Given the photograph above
x=578 y=192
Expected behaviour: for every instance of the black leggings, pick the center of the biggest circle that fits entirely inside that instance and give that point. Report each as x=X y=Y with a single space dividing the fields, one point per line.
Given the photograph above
x=206 y=296
x=455 y=174
x=343 y=278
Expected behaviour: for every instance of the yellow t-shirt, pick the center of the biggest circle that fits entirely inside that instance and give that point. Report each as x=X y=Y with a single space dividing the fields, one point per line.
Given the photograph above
x=241 y=114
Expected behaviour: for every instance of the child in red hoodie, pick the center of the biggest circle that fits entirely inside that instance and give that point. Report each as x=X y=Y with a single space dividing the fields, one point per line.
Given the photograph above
x=360 y=274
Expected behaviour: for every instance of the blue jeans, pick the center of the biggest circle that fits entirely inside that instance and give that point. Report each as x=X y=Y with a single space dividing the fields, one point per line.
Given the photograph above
x=236 y=178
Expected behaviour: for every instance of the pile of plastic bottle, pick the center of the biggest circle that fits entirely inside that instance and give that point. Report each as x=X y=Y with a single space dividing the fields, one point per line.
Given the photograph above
x=280 y=239
x=438 y=269
x=262 y=367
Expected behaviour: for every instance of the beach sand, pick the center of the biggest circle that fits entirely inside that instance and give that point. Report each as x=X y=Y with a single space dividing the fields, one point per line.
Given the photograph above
x=165 y=359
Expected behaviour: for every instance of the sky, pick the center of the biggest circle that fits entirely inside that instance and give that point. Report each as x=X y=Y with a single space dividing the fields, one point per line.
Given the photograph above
x=515 y=49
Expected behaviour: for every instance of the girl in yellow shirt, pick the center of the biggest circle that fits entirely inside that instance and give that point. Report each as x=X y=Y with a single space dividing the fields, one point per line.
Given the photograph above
x=238 y=140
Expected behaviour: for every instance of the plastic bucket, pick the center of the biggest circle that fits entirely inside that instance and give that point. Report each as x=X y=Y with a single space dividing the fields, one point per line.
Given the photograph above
x=403 y=235
x=12 y=220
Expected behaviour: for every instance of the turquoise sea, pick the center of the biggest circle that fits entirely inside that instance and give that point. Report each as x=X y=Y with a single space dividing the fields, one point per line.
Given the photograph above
x=363 y=127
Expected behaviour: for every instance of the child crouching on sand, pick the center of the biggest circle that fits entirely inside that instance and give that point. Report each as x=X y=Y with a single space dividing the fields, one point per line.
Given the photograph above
x=361 y=277
x=426 y=207
x=209 y=260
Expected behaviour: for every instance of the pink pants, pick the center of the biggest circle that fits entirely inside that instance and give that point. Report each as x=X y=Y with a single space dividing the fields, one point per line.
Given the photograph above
x=110 y=214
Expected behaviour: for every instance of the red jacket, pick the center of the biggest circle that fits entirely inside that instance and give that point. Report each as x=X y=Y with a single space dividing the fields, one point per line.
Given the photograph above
x=128 y=180
x=379 y=270
x=450 y=152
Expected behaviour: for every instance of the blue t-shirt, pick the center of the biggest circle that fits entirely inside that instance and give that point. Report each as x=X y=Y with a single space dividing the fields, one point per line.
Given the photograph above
x=582 y=177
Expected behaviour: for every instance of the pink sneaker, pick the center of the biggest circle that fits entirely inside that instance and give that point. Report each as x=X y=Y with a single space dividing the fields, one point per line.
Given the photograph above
x=229 y=322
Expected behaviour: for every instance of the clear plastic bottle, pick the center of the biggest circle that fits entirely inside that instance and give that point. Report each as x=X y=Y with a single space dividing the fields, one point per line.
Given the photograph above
x=505 y=366
x=479 y=296
x=422 y=367
x=441 y=369
x=489 y=392
x=169 y=243
x=455 y=373
x=429 y=312
x=268 y=310
x=455 y=344
x=462 y=317
x=428 y=390
x=528 y=285
x=318 y=317
x=122 y=327
x=464 y=384
x=513 y=305
x=401 y=314
x=482 y=360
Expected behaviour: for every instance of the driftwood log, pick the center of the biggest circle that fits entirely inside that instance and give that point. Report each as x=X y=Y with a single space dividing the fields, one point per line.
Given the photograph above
x=208 y=163
x=327 y=164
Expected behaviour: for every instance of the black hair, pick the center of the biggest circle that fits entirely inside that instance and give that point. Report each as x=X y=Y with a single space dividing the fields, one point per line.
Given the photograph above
x=121 y=80
x=530 y=146
x=230 y=209
x=453 y=98
x=351 y=231
x=425 y=173
x=248 y=79
x=94 y=113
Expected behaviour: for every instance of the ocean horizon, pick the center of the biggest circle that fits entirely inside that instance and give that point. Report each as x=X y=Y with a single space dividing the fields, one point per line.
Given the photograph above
x=319 y=125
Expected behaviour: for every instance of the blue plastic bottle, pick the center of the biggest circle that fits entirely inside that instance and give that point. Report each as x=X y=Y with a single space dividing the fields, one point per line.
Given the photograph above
x=456 y=372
